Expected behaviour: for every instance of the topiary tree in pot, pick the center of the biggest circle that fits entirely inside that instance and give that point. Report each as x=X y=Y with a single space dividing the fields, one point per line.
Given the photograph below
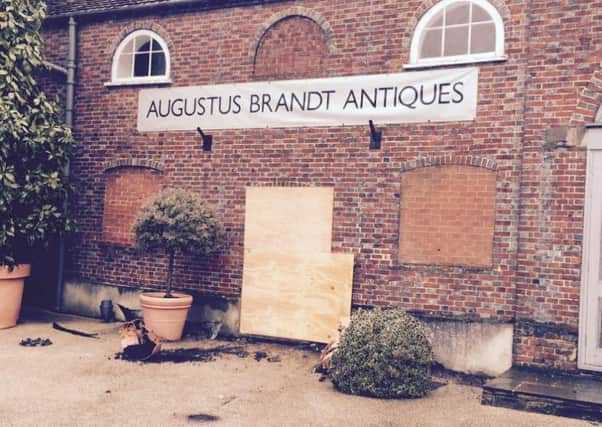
x=175 y=221
x=35 y=149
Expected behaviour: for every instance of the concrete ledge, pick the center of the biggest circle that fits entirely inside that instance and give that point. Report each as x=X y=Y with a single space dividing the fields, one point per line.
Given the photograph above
x=213 y=313
x=471 y=347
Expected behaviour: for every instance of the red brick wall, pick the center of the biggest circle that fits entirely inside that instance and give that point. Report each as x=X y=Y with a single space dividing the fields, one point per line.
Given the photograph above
x=551 y=48
x=447 y=216
x=126 y=191
x=366 y=182
x=56 y=43
x=564 y=54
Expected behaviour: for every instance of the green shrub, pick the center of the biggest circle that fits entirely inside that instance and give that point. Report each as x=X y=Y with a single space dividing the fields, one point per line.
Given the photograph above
x=178 y=221
x=383 y=353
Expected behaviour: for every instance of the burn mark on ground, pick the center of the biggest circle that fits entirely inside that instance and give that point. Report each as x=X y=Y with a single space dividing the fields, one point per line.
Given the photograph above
x=182 y=355
x=203 y=418
x=35 y=342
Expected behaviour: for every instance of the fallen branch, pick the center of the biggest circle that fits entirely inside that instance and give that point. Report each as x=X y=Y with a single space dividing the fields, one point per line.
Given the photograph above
x=327 y=352
x=129 y=314
x=74 y=331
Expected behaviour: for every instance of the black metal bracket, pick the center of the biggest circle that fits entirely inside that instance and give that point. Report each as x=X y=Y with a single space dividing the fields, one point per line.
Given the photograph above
x=207 y=139
x=376 y=137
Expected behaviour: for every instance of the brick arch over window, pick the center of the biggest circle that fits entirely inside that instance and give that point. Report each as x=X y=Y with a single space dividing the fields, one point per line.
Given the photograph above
x=468 y=160
x=127 y=188
x=447 y=213
x=294 y=46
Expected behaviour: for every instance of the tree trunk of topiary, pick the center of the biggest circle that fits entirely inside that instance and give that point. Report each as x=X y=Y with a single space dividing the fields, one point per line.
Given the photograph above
x=169 y=274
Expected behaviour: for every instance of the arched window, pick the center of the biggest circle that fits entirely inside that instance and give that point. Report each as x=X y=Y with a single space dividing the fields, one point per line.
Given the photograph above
x=458 y=31
x=142 y=57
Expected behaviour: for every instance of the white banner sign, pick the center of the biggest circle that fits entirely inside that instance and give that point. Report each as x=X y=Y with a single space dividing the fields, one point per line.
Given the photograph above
x=438 y=96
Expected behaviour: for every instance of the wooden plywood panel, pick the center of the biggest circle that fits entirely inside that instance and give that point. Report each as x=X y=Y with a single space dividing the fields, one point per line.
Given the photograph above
x=296 y=296
x=288 y=219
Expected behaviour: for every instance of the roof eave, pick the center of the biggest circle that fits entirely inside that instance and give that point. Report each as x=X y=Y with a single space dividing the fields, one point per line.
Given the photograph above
x=199 y=5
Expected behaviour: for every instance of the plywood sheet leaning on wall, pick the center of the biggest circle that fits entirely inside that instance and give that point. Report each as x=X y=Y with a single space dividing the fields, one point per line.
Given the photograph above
x=293 y=286
x=289 y=219
x=295 y=295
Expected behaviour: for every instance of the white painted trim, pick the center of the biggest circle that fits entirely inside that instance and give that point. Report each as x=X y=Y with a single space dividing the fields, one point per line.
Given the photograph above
x=115 y=81
x=589 y=358
x=139 y=82
x=583 y=291
x=428 y=16
x=588 y=367
x=593 y=138
x=443 y=62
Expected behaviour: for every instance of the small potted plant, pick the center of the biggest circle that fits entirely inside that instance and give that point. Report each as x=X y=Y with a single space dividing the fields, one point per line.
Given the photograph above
x=35 y=148
x=175 y=221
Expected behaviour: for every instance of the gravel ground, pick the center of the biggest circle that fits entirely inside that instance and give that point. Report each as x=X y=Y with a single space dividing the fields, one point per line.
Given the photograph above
x=77 y=381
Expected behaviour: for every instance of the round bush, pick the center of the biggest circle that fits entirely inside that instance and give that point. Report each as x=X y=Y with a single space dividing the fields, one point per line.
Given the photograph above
x=383 y=353
x=178 y=221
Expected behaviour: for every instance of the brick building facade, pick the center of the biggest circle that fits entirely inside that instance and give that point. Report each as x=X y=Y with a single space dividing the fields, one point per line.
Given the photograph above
x=478 y=221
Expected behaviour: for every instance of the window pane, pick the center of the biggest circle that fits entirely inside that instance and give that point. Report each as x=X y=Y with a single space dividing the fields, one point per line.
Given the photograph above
x=129 y=47
x=457 y=14
x=431 y=44
x=158 y=64
x=142 y=44
x=141 y=65
x=456 y=41
x=482 y=38
x=479 y=14
x=437 y=21
x=155 y=46
x=124 y=66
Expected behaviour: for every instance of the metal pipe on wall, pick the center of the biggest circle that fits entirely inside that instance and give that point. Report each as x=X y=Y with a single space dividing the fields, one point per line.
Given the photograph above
x=69 y=101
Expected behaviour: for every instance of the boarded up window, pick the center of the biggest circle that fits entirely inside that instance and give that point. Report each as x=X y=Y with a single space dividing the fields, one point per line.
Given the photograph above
x=292 y=48
x=447 y=216
x=126 y=190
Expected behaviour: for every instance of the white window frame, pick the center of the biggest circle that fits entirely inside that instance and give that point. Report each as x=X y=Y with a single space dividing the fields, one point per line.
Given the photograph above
x=142 y=80
x=497 y=55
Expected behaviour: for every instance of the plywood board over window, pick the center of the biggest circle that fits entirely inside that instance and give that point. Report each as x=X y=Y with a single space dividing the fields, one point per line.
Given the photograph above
x=289 y=219
x=293 y=286
x=295 y=296
x=447 y=216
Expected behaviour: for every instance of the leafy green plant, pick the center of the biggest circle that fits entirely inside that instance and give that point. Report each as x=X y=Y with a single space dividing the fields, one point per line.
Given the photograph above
x=383 y=353
x=35 y=145
x=178 y=221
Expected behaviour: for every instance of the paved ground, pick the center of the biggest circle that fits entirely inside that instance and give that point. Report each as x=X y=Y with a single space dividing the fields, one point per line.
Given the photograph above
x=77 y=382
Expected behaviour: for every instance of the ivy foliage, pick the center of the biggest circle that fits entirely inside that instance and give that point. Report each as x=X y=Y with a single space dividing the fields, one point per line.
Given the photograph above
x=383 y=353
x=35 y=145
x=178 y=221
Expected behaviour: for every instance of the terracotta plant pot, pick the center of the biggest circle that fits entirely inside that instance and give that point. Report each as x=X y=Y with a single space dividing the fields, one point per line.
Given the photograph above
x=165 y=316
x=11 y=293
